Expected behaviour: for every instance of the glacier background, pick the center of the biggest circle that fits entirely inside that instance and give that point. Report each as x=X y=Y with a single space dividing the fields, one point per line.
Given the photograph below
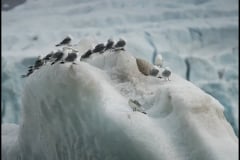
x=198 y=39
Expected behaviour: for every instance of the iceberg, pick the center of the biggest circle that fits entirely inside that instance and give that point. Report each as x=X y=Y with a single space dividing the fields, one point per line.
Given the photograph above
x=184 y=32
x=82 y=112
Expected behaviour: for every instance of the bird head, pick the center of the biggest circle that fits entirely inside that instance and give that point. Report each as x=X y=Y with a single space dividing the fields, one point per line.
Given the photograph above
x=69 y=36
x=110 y=40
x=122 y=39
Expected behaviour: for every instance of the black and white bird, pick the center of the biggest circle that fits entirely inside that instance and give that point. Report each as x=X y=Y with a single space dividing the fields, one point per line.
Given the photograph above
x=38 y=63
x=109 y=44
x=136 y=106
x=99 y=48
x=65 y=41
x=154 y=71
x=166 y=73
x=86 y=54
x=159 y=60
x=30 y=67
x=120 y=45
x=57 y=57
x=30 y=71
x=71 y=57
x=48 y=57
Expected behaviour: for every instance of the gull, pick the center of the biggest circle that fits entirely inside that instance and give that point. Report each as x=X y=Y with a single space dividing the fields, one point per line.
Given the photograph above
x=65 y=41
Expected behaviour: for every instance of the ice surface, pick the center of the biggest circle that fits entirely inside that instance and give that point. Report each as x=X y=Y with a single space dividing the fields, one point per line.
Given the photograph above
x=81 y=112
x=203 y=30
x=176 y=29
x=10 y=146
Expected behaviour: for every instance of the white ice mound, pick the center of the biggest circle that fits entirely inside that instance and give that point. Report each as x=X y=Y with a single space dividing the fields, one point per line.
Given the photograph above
x=81 y=112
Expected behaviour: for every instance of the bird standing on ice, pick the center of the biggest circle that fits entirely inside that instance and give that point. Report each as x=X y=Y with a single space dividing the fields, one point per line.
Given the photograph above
x=71 y=57
x=159 y=60
x=86 y=54
x=120 y=45
x=65 y=41
x=30 y=71
x=166 y=73
x=99 y=48
x=154 y=71
x=38 y=63
x=48 y=57
x=109 y=44
x=57 y=56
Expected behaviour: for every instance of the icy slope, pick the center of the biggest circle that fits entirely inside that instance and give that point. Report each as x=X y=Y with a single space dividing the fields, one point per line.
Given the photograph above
x=198 y=39
x=81 y=112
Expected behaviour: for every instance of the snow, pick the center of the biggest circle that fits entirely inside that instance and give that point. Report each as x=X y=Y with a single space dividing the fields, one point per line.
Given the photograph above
x=194 y=37
x=81 y=112
x=9 y=137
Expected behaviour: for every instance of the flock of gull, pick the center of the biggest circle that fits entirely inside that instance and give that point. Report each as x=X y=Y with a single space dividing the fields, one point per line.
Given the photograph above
x=70 y=55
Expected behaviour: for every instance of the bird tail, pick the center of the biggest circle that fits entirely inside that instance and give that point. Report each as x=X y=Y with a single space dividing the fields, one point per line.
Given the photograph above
x=57 y=45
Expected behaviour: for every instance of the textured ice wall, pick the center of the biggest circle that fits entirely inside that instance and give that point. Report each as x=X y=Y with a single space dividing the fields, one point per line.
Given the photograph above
x=81 y=112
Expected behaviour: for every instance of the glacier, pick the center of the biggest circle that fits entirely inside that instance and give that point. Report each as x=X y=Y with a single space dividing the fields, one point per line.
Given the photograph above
x=81 y=112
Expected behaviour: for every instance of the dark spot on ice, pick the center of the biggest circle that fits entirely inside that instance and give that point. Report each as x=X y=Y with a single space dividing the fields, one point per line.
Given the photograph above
x=35 y=38
x=188 y=69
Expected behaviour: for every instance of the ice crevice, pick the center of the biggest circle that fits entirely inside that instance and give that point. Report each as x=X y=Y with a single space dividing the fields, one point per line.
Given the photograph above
x=188 y=69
